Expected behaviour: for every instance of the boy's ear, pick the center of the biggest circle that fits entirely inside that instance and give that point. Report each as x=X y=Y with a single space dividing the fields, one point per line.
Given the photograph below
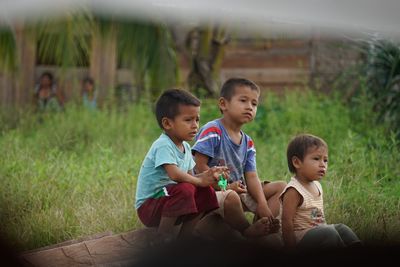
x=222 y=103
x=166 y=123
x=296 y=162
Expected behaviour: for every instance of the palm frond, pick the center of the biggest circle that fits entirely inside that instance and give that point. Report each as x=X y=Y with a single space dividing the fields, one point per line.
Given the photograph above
x=148 y=50
x=383 y=76
x=65 y=41
x=8 y=53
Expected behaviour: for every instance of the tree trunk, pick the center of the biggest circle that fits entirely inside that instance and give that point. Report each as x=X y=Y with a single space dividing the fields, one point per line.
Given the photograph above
x=103 y=65
x=25 y=82
x=206 y=46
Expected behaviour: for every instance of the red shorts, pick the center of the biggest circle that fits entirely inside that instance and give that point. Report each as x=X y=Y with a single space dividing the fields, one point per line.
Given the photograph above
x=183 y=199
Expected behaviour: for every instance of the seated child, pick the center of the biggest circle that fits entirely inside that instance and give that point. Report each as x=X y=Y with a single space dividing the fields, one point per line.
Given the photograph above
x=167 y=192
x=222 y=142
x=303 y=219
x=88 y=94
x=47 y=96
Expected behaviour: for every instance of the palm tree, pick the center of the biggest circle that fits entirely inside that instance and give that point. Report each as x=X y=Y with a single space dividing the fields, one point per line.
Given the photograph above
x=144 y=47
x=205 y=47
x=148 y=50
x=8 y=58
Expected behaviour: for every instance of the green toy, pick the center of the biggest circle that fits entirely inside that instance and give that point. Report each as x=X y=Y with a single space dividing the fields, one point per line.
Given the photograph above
x=222 y=183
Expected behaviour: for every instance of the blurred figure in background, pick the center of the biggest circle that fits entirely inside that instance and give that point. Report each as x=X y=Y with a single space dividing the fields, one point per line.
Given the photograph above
x=88 y=94
x=47 y=96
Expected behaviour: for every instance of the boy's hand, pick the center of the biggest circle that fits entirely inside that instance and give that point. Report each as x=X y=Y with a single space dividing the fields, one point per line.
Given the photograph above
x=211 y=176
x=264 y=211
x=238 y=187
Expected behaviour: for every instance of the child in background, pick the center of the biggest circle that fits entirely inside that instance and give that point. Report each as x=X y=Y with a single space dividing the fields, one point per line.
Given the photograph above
x=303 y=219
x=47 y=97
x=222 y=141
x=167 y=191
x=88 y=94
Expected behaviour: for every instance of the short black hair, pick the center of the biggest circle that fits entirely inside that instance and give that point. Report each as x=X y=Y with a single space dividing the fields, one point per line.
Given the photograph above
x=168 y=103
x=299 y=145
x=88 y=80
x=47 y=74
x=229 y=86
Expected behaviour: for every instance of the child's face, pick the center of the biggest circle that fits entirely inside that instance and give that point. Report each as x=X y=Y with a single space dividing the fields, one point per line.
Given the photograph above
x=314 y=165
x=45 y=81
x=185 y=125
x=242 y=107
x=88 y=86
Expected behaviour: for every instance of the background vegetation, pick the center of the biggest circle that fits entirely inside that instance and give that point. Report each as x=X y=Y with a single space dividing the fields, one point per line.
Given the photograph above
x=72 y=174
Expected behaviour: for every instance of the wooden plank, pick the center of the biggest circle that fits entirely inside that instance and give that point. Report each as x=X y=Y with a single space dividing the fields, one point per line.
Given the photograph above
x=262 y=44
x=110 y=249
x=99 y=250
x=269 y=75
x=55 y=258
x=70 y=242
x=266 y=61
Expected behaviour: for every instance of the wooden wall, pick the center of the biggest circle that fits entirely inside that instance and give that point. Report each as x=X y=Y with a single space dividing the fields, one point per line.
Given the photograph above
x=274 y=64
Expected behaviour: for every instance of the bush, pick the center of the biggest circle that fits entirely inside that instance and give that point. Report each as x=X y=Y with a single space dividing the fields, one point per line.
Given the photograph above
x=382 y=72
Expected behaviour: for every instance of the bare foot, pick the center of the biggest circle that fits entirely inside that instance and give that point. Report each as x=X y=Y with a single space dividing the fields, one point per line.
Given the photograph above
x=275 y=226
x=257 y=229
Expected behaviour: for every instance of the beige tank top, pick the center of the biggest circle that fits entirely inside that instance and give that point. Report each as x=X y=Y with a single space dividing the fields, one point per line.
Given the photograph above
x=311 y=212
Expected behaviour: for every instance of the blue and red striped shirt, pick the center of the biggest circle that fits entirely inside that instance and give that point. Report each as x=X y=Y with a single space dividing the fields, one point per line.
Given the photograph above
x=213 y=141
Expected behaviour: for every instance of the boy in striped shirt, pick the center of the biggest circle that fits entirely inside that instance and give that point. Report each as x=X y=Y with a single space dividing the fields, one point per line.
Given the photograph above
x=222 y=142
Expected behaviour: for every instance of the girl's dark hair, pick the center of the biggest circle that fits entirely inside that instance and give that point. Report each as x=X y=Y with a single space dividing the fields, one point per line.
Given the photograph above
x=88 y=80
x=229 y=86
x=48 y=74
x=168 y=103
x=299 y=145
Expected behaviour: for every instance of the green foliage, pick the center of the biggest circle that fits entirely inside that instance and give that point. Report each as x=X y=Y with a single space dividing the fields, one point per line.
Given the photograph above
x=74 y=173
x=144 y=47
x=8 y=59
x=158 y=69
x=65 y=41
x=383 y=78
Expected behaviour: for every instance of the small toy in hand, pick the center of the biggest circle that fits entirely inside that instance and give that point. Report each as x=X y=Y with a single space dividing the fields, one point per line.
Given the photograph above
x=222 y=183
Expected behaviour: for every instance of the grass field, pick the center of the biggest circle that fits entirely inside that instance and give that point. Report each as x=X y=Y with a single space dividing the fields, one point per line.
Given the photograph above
x=73 y=174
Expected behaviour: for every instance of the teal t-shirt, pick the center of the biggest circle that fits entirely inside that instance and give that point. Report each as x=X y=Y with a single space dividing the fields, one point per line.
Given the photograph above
x=152 y=176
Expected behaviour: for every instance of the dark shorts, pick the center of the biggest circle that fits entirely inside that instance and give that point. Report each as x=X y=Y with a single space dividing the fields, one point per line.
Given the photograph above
x=183 y=199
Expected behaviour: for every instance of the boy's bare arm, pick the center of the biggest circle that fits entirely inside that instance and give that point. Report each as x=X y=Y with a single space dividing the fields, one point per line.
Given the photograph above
x=202 y=166
x=255 y=190
x=204 y=179
x=201 y=162
x=291 y=200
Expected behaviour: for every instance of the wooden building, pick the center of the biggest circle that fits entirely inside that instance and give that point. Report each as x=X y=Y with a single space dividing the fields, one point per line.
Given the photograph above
x=274 y=64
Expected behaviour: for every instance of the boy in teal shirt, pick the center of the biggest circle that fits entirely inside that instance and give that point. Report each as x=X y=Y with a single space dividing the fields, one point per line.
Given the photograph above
x=167 y=192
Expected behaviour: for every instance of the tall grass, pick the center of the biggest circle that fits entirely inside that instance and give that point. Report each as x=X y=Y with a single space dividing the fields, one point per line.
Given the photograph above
x=74 y=174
